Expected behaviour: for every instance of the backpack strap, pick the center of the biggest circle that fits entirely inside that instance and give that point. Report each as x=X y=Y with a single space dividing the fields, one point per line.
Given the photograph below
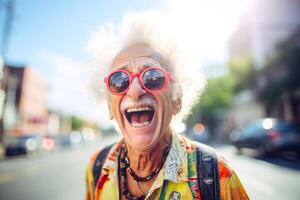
x=99 y=163
x=207 y=172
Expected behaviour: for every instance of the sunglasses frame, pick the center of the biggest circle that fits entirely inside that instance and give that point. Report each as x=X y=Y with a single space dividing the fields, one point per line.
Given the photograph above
x=131 y=76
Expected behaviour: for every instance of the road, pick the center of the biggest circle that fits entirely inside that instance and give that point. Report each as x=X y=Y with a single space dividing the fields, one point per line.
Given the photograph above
x=60 y=175
x=269 y=178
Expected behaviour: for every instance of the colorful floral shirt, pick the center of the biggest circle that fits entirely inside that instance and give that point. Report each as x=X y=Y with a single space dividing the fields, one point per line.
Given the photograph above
x=178 y=173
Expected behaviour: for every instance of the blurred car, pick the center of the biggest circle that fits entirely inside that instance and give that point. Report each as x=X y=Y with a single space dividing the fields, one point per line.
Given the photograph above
x=268 y=135
x=25 y=144
x=64 y=140
x=75 y=138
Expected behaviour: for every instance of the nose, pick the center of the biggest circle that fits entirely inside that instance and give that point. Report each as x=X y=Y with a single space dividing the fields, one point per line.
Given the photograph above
x=136 y=90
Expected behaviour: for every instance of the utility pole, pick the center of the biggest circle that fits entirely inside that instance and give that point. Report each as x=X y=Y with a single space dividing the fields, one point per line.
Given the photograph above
x=9 y=7
x=9 y=14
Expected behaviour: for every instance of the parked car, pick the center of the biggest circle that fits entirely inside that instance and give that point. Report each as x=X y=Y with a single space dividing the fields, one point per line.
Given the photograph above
x=64 y=141
x=25 y=144
x=268 y=135
x=75 y=138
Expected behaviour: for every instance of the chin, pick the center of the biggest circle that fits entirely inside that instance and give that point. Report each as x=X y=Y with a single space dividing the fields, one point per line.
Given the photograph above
x=145 y=137
x=141 y=124
x=141 y=142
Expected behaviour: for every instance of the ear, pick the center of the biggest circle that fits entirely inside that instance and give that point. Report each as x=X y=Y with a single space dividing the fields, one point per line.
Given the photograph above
x=176 y=98
x=111 y=116
x=176 y=106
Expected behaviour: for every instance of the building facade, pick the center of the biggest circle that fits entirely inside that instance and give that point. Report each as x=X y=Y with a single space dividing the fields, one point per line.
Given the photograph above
x=267 y=24
x=25 y=110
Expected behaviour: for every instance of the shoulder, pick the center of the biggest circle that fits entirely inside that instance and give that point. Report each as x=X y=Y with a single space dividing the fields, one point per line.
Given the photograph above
x=94 y=156
x=106 y=151
x=230 y=184
x=225 y=170
x=99 y=158
x=91 y=162
x=185 y=143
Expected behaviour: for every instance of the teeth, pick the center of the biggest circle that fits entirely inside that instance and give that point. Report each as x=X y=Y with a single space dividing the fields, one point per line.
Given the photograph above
x=140 y=125
x=139 y=109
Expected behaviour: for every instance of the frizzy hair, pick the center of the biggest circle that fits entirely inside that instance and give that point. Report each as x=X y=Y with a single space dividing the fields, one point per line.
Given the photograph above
x=154 y=29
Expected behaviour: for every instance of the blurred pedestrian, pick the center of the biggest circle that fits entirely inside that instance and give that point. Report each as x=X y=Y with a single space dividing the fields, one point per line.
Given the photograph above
x=152 y=161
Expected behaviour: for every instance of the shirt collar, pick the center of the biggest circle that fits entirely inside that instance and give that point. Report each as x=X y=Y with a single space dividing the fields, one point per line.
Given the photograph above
x=175 y=168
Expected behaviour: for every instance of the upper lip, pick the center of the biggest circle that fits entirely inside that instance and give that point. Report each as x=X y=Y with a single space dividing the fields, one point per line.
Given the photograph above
x=138 y=106
x=133 y=109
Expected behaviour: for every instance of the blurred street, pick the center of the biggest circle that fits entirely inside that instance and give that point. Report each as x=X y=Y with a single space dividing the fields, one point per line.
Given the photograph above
x=269 y=178
x=60 y=175
x=229 y=71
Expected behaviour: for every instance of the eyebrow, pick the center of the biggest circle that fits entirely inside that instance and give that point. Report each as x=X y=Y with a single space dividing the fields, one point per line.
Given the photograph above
x=148 y=65
x=124 y=67
x=144 y=66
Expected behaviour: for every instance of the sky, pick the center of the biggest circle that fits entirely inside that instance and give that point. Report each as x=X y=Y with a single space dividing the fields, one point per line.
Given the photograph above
x=51 y=36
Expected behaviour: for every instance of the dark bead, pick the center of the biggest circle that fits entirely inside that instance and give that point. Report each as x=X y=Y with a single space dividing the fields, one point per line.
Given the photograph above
x=125 y=165
x=126 y=160
x=122 y=172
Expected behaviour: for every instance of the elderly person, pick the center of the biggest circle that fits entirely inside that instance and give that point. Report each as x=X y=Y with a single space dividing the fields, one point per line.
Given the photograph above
x=151 y=161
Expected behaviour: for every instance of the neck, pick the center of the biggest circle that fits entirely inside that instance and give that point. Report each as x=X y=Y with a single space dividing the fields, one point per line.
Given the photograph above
x=143 y=162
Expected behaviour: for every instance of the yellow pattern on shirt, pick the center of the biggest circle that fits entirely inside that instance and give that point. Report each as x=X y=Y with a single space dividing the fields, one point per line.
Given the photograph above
x=175 y=173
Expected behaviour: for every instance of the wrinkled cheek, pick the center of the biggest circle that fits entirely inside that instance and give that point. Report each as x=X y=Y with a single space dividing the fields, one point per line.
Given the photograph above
x=115 y=103
x=167 y=115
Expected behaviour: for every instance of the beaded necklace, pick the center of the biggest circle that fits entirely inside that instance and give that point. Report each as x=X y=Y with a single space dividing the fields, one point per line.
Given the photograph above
x=125 y=166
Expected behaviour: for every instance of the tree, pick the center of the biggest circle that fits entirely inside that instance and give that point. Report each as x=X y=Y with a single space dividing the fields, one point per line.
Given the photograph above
x=214 y=101
x=282 y=72
x=76 y=123
x=243 y=72
x=218 y=96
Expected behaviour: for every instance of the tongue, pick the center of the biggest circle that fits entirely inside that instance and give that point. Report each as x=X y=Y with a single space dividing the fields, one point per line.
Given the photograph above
x=140 y=118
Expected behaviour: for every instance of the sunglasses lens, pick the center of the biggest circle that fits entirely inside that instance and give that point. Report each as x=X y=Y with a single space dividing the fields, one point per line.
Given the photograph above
x=154 y=79
x=119 y=82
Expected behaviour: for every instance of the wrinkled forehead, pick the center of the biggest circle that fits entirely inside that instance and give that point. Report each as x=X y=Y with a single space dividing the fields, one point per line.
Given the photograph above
x=139 y=55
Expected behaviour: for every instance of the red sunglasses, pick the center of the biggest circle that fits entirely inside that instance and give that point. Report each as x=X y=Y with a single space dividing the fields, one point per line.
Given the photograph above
x=152 y=79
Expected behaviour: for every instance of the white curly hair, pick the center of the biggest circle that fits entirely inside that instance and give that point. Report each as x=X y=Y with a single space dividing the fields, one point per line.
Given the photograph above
x=155 y=29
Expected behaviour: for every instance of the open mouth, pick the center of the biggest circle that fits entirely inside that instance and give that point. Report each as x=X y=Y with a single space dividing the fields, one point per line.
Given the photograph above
x=139 y=117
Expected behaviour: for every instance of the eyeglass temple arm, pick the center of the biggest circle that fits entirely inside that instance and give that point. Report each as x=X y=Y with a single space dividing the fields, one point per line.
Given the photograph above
x=171 y=77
